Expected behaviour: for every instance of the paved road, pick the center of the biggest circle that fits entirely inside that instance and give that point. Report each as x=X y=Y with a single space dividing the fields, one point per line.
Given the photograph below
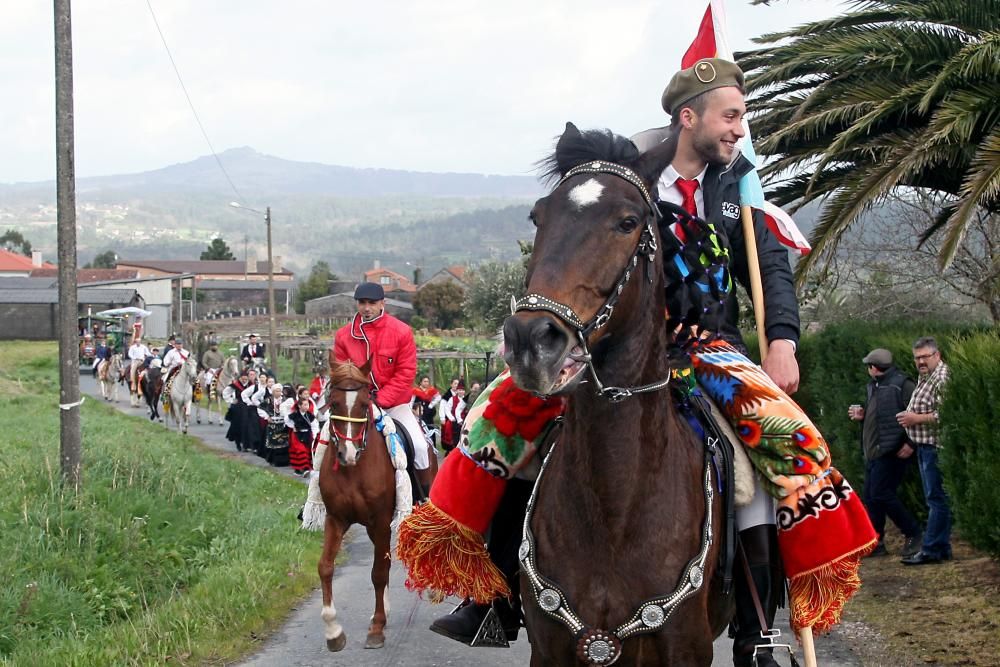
x=299 y=642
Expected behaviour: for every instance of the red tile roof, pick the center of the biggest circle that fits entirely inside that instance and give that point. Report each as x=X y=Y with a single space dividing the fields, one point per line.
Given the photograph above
x=11 y=261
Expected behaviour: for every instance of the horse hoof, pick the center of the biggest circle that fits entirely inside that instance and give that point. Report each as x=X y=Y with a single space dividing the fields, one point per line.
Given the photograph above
x=375 y=641
x=337 y=643
x=197 y=421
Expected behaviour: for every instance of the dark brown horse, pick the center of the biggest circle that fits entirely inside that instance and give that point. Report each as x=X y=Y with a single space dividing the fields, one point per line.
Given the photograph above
x=357 y=483
x=620 y=567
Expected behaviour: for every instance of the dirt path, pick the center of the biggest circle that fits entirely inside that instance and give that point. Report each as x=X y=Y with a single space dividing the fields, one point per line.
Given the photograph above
x=299 y=641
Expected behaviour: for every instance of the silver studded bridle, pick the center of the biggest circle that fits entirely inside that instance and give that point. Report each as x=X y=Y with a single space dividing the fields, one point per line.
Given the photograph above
x=646 y=247
x=596 y=646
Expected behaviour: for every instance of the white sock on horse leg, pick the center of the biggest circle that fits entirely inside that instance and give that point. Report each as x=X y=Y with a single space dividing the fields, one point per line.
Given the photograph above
x=332 y=629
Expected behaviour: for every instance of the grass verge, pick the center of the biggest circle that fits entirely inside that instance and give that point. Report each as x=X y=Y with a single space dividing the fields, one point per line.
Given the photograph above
x=169 y=553
x=944 y=614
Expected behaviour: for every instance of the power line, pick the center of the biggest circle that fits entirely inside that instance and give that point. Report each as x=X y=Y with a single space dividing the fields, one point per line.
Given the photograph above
x=191 y=104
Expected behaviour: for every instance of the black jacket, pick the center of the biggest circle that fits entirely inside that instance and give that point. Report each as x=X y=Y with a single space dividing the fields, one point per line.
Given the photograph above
x=888 y=394
x=722 y=204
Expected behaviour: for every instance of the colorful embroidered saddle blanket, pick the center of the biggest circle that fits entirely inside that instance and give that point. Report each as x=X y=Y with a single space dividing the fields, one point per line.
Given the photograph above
x=823 y=528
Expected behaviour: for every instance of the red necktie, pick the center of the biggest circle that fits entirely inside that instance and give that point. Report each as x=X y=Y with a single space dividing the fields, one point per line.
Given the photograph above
x=687 y=188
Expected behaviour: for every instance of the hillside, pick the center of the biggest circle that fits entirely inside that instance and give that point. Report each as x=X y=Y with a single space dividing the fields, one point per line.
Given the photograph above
x=345 y=216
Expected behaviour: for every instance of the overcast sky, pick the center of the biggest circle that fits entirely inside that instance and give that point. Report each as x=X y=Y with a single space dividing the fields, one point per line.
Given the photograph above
x=433 y=85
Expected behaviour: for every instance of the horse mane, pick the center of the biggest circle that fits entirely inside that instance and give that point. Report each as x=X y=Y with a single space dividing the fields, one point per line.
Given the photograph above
x=575 y=147
x=346 y=371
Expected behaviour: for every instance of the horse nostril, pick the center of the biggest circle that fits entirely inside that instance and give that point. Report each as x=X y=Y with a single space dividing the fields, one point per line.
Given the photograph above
x=545 y=335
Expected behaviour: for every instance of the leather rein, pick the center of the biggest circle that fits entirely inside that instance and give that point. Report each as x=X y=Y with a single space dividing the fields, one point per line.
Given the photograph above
x=646 y=247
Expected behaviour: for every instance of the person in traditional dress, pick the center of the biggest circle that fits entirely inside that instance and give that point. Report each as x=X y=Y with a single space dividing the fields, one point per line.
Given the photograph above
x=454 y=410
x=303 y=429
x=424 y=402
x=174 y=359
x=253 y=353
x=236 y=414
x=706 y=105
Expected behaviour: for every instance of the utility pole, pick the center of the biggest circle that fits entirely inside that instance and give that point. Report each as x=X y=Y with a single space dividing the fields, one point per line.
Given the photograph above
x=271 y=358
x=70 y=455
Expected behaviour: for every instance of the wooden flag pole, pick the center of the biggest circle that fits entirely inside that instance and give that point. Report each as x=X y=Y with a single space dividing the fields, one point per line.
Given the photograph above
x=757 y=295
x=756 y=288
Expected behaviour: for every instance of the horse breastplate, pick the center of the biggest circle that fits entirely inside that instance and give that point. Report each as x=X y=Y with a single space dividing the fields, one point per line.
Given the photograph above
x=603 y=647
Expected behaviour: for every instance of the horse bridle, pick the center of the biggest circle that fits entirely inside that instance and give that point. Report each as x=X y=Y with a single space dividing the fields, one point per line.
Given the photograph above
x=338 y=436
x=646 y=247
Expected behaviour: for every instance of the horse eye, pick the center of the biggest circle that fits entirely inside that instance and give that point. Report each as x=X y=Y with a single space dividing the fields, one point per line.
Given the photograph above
x=628 y=224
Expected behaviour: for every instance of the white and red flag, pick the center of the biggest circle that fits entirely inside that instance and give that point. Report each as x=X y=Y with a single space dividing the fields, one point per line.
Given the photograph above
x=711 y=42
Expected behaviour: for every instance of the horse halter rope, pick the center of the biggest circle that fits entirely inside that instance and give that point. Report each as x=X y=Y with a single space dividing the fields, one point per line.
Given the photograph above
x=603 y=647
x=646 y=247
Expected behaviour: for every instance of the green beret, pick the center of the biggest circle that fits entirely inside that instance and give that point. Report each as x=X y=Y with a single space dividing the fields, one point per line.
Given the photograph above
x=705 y=75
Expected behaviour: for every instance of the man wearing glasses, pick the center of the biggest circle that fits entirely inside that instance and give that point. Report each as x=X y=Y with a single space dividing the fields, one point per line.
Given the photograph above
x=920 y=419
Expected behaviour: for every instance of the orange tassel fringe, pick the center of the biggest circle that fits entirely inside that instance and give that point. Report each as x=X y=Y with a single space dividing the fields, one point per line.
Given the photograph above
x=446 y=558
x=817 y=598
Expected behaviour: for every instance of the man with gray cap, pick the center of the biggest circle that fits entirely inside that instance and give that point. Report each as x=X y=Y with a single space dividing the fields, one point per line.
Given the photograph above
x=375 y=334
x=886 y=448
x=706 y=106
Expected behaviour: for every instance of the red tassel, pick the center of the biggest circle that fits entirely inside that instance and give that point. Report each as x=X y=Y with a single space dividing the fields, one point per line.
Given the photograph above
x=817 y=598
x=446 y=558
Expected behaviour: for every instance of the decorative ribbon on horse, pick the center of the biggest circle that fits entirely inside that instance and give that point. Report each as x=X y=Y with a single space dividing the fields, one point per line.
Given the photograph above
x=823 y=527
x=404 y=492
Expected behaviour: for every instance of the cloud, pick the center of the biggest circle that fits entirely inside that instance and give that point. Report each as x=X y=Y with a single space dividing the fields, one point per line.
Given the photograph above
x=439 y=86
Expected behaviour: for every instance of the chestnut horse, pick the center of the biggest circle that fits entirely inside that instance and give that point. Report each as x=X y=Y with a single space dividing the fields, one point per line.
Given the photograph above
x=358 y=485
x=622 y=536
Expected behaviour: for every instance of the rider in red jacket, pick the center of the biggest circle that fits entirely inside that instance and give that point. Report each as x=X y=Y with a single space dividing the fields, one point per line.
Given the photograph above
x=374 y=334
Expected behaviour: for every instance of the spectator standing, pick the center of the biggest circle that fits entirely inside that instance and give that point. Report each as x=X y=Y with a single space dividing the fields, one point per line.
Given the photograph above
x=920 y=419
x=236 y=414
x=473 y=394
x=454 y=411
x=886 y=449
x=424 y=403
x=303 y=428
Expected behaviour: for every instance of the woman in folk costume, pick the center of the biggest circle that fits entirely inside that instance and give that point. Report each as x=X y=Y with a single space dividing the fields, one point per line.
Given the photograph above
x=303 y=429
x=425 y=400
x=236 y=414
x=454 y=410
x=278 y=400
x=253 y=424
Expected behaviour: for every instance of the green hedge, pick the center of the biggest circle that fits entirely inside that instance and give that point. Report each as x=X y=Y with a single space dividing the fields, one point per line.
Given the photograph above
x=970 y=458
x=833 y=377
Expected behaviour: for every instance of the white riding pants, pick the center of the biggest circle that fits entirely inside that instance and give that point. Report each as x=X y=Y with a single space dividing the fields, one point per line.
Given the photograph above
x=759 y=511
x=403 y=416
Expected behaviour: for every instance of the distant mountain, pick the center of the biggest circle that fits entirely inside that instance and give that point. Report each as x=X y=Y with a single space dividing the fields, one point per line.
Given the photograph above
x=266 y=176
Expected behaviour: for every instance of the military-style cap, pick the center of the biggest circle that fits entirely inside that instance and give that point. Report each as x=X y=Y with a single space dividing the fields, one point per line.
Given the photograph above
x=879 y=356
x=706 y=74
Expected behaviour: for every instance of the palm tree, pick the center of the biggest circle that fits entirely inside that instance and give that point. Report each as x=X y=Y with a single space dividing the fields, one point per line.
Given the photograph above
x=894 y=94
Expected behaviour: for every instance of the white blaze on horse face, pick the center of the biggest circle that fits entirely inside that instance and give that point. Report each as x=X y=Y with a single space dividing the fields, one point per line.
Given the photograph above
x=332 y=629
x=352 y=428
x=586 y=193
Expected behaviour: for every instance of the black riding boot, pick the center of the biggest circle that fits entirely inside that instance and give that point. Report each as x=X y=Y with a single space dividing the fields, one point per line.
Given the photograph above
x=760 y=544
x=503 y=543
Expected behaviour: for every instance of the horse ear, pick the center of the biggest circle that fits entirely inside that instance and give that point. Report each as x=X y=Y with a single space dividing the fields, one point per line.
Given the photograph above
x=367 y=368
x=570 y=134
x=652 y=162
x=331 y=361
